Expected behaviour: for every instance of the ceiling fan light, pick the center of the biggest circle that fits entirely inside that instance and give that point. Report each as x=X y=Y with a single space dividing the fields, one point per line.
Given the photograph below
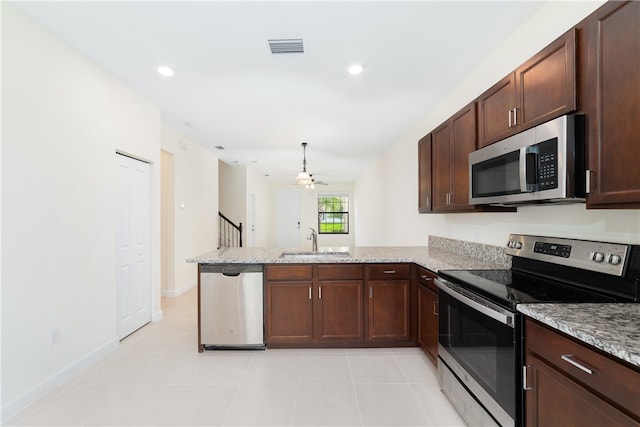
x=303 y=176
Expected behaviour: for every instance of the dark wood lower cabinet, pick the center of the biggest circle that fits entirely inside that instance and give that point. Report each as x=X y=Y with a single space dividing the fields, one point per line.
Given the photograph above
x=388 y=307
x=319 y=305
x=557 y=400
x=327 y=307
x=569 y=383
x=288 y=312
x=427 y=313
x=338 y=311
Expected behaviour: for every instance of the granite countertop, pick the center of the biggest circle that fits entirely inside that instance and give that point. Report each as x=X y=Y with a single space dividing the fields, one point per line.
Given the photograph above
x=612 y=328
x=432 y=258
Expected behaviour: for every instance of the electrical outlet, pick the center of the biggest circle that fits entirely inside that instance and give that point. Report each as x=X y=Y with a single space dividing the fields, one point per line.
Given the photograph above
x=54 y=337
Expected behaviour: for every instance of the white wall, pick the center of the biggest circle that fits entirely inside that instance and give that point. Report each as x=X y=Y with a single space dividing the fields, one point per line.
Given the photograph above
x=195 y=206
x=232 y=191
x=259 y=187
x=63 y=121
x=309 y=214
x=387 y=193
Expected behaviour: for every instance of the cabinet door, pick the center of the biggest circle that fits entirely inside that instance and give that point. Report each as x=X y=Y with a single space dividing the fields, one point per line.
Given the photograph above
x=424 y=174
x=441 y=167
x=428 y=322
x=463 y=142
x=556 y=400
x=546 y=84
x=289 y=312
x=495 y=106
x=614 y=105
x=388 y=310
x=338 y=311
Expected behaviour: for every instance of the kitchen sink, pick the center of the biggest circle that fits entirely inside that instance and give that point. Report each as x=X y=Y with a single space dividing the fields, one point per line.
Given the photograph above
x=314 y=255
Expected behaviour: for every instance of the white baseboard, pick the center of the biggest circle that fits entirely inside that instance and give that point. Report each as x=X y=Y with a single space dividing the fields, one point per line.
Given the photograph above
x=157 y=316
x=63 y=376
x=181 y=290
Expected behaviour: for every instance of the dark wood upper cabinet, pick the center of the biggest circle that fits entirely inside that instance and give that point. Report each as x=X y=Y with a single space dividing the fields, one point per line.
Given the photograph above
x=440 y=167
x=463 y=141
x=451 y=144
x=546 y=84
x=541 y=89
x=495 y=110
x=424 y=174
x=612 y=37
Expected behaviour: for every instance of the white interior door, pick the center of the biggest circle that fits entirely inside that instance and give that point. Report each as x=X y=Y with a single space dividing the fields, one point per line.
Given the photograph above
x=288 y=218
x=134 y=272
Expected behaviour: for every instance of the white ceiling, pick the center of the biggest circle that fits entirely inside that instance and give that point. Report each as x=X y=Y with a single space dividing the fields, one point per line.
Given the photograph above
x=229 y=90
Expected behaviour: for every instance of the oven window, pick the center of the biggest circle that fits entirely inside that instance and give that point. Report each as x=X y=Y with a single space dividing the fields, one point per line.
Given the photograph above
x=497 y=176
x=484 y=347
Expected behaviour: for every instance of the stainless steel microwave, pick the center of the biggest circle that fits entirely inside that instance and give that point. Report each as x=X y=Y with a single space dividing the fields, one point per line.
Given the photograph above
x=544 y=164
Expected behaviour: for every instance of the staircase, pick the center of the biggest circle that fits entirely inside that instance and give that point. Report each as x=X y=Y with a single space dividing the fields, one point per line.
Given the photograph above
x=229 y=234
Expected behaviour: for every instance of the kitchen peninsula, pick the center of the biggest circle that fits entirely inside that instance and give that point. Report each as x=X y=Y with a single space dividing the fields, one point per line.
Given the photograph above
x=359 y=296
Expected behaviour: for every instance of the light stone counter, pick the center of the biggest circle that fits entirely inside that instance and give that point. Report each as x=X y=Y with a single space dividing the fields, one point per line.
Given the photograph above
x=441 y=254
x=612 y=328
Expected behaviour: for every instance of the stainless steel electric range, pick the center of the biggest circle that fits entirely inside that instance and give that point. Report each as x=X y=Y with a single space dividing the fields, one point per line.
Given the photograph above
x=481 y=333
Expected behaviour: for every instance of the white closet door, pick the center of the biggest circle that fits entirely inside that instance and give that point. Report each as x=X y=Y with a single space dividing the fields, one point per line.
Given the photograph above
x=134 y=272
x=288 y=218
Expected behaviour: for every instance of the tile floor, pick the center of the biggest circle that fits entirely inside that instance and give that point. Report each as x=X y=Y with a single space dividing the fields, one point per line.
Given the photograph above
x=157 y=377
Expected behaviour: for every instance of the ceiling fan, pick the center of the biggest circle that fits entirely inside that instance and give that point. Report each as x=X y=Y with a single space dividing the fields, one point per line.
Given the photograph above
x=305 y=178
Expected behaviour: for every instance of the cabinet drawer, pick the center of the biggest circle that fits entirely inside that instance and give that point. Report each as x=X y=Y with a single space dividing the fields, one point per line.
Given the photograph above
x=389 y=271
x=610 y=379
x=340 y=271
x=289 y=272
x=426 y=278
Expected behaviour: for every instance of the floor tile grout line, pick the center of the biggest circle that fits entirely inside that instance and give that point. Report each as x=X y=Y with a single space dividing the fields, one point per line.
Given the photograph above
x=353 y=388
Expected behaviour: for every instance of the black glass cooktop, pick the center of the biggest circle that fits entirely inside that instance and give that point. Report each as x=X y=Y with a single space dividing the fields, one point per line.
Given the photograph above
x=508 y=288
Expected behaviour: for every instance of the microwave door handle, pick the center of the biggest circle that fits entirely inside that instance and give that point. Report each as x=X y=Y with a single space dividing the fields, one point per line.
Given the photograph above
x=523 y=170
x=532 y=165
x=529 y=169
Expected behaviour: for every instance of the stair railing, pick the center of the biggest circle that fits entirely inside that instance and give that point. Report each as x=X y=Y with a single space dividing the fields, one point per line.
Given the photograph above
x=229 y=234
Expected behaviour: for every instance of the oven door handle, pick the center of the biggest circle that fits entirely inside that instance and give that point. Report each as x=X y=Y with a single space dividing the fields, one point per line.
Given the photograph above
x=502 y=316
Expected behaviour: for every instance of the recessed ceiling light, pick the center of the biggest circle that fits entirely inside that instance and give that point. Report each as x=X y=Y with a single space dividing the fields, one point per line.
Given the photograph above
x=165 y=71
x=356 y=69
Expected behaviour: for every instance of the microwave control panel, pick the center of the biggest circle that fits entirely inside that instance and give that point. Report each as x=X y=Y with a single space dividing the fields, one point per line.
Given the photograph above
x=547 y=166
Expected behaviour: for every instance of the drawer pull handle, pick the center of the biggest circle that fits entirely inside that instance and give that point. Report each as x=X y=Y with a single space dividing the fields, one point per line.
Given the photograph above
x=425 y=277
x=569 y=359
x=389 y=272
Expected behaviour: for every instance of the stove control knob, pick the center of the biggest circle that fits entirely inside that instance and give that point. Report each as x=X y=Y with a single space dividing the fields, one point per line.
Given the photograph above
x=597 y=256
x=614 y=259
x=518 y=245
x=510 y=244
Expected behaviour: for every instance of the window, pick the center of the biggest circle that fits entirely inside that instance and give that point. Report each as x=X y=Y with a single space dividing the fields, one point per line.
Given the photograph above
x=333 y=213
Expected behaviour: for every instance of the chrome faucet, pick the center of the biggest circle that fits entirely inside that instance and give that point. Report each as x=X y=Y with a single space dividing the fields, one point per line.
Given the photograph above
x=314 y=240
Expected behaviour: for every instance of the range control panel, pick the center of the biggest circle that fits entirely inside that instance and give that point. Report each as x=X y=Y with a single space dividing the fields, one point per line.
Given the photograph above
x=608 y=258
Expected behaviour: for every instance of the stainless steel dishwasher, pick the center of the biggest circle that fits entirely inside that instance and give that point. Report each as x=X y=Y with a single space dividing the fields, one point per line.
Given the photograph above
x=231 y=306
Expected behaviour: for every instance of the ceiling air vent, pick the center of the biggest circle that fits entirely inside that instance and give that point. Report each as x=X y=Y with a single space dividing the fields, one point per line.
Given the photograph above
x=286 y=46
